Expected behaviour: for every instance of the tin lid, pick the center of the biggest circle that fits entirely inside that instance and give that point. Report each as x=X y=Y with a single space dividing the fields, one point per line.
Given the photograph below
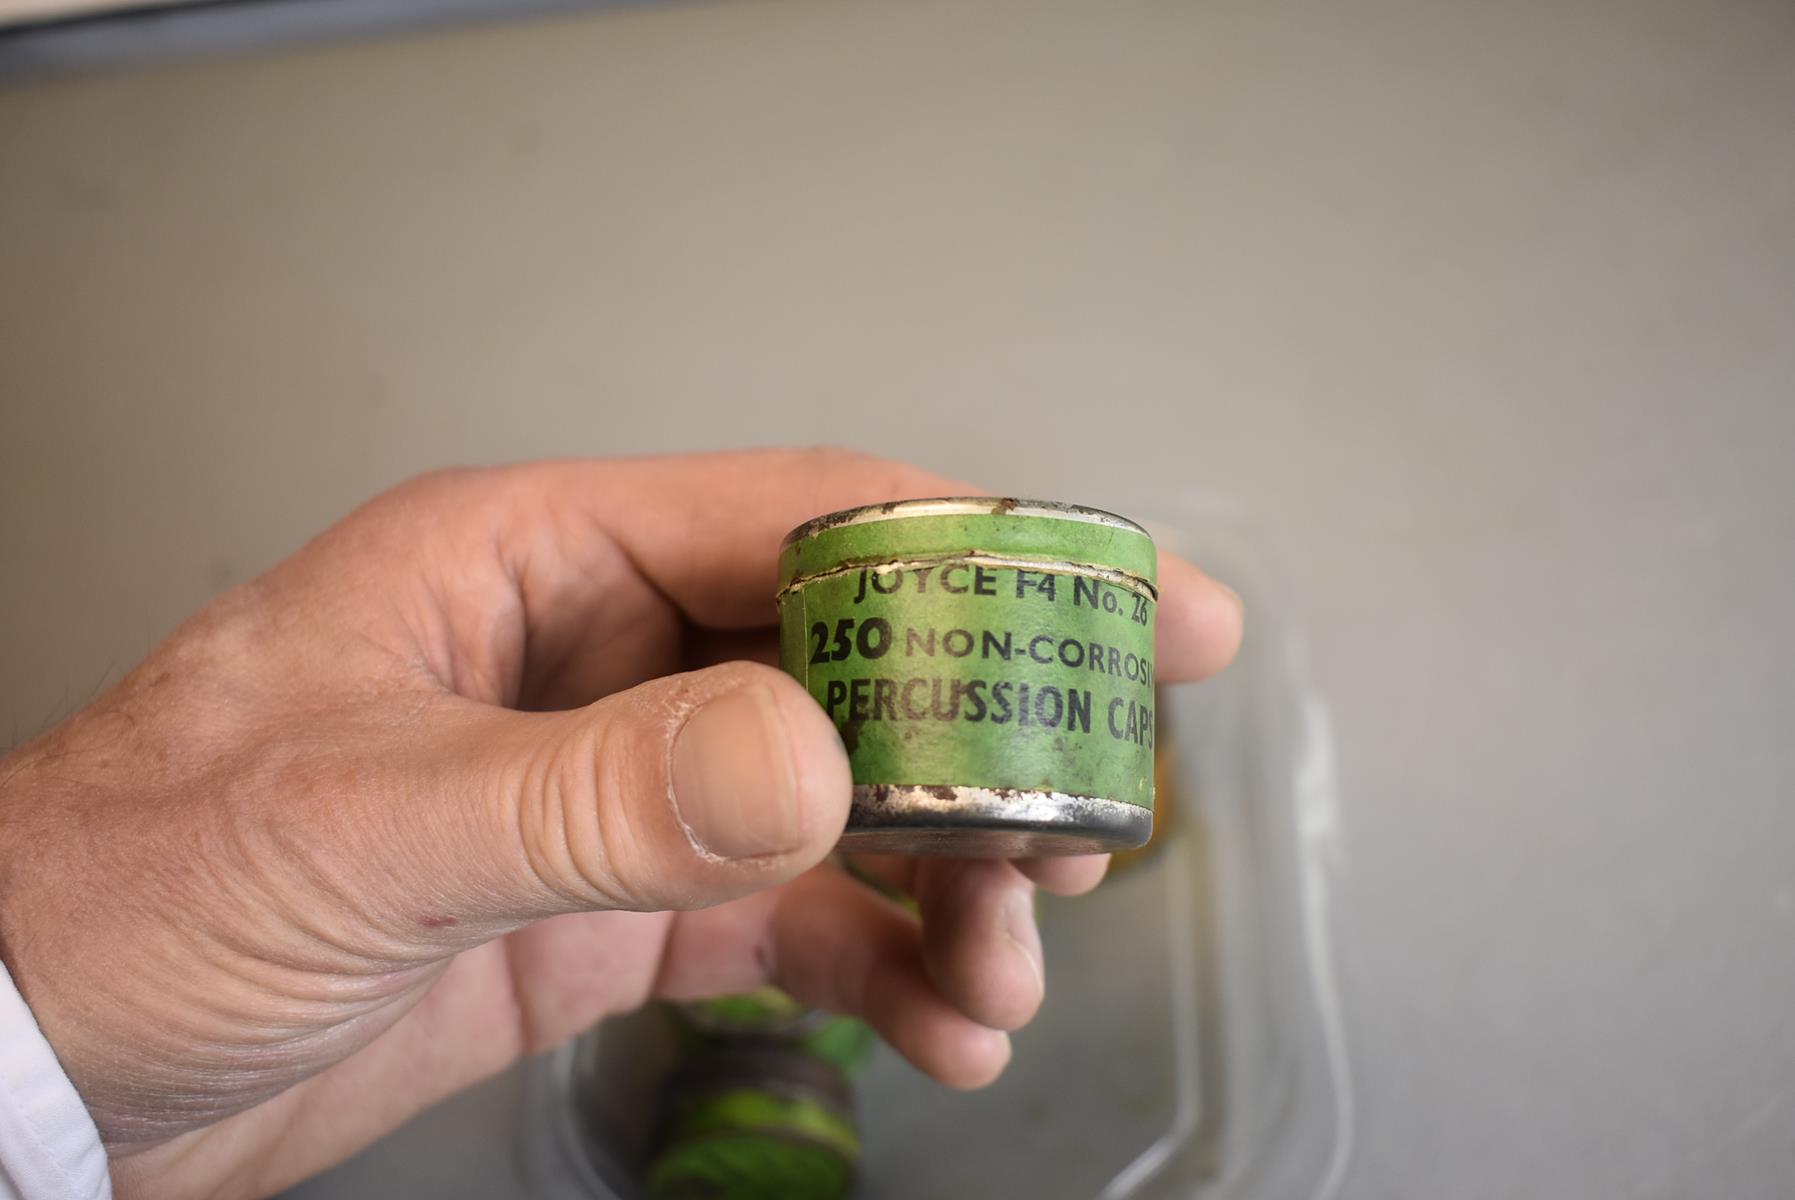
x=995 y=527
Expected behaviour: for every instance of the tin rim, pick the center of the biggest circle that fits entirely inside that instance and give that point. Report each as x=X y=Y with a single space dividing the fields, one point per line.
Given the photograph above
x=959 y=506
x=1115 y=575
x=984 y=822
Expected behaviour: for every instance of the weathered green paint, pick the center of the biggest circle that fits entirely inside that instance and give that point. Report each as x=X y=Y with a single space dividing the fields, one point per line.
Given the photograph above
x=746 y=1144
x=766 y=1011
x=771 y=1014
x=845 y=1043
x=1002 y=646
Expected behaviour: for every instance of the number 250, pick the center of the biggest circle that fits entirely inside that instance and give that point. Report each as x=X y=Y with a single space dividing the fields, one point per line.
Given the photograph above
x=872 y=640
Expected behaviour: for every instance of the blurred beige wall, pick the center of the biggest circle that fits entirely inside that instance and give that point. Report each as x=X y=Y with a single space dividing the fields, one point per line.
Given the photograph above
x=1273 y=248
x=1485 y=311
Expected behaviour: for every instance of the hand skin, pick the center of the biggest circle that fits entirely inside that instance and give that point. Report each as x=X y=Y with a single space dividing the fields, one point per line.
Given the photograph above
x=485 y=762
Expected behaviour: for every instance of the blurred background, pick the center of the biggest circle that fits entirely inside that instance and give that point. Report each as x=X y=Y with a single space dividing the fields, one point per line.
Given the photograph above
x=1484 y=315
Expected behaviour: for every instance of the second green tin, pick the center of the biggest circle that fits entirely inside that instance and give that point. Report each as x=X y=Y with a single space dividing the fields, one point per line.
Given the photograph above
x=989 y=665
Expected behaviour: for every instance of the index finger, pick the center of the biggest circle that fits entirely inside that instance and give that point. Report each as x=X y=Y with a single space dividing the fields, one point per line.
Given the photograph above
x=704 y=531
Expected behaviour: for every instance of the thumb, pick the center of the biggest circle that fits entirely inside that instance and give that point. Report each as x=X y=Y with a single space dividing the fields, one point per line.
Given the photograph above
x=680 y=793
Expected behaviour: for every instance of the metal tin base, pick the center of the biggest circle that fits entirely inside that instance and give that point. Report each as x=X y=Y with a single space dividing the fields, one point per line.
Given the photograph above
x=974 y=822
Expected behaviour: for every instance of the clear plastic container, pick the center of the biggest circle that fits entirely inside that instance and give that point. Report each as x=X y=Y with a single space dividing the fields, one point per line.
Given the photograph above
x=1191 y=1043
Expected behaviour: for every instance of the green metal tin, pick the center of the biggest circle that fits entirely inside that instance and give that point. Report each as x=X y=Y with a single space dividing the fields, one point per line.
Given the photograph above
x=769 y=1014
x=754 y=1119
x=989 y=665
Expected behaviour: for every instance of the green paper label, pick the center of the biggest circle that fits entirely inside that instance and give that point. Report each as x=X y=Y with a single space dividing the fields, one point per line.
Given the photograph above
x=979 y=671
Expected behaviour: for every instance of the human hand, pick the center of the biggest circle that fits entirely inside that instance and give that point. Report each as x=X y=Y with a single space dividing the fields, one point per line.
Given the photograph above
x=427 y=797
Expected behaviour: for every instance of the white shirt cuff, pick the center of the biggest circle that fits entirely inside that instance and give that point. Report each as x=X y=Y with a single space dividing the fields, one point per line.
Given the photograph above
x=49 y=1148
